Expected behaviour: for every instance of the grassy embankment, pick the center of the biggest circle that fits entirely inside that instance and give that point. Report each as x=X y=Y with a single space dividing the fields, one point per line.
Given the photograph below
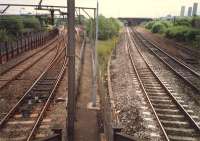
x=185 y=30
x=104 y=50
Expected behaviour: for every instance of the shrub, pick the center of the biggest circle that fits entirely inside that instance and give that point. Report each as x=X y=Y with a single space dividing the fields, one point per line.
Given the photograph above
x=31 y=22
x=149 y=24
x=158 y=28
x=196 y=22
x=13 y=24
x=3 y=35
x=176 y=32
x=167 y=23
x=108 y=27
x=191 y=34
x=182 y=33
x=183 y=22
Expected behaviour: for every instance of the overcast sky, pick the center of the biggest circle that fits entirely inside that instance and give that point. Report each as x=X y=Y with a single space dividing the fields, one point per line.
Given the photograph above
x=122 y=8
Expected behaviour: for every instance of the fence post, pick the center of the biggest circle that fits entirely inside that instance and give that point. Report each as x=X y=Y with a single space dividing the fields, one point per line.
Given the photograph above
x=11 y=49
x=6 y=48
x=34 y=41
x=21 y=42
x=17 y=44
x=29 y=41
x=37 y=40
x=40 y=38
x=1 y=61
x=25 y=48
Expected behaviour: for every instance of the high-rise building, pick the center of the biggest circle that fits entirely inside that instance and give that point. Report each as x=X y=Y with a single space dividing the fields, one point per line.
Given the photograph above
x=182 y=11
x=195 y=7
x=189 y=11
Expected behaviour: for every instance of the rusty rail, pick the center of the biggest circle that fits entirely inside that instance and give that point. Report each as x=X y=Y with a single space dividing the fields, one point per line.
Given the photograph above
x=9 y=50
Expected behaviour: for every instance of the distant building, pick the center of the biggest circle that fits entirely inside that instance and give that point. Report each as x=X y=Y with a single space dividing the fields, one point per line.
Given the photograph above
x=189 y=11
x=195 y=7
x=182 y=11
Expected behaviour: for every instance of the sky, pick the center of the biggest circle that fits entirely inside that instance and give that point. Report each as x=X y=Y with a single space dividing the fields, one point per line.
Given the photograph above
x=121 y=8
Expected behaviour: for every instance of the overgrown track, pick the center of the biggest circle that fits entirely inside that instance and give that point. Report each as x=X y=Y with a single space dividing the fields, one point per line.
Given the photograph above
x=25 y=117
x=187 y=74
x=176 y=120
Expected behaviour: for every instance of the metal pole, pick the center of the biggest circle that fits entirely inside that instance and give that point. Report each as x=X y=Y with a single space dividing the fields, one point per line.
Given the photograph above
x=95 y=59
x=71 y=70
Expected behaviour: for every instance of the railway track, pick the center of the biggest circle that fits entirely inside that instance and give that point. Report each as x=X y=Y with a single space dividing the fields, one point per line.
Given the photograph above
x=10 y=74
x=23 y=120
x=190 y=76
x=177 y=121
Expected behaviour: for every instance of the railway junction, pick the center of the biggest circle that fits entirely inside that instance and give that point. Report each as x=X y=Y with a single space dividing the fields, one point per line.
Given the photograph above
x=63 y=80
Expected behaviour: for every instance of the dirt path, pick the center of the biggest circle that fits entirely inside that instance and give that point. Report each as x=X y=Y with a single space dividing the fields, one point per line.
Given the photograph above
x=86 y=128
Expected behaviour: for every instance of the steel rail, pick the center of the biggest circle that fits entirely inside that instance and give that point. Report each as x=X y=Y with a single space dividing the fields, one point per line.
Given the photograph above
x=191 y=120
x=178 y=104
x=43 y=48
x=145 y=92
x=27 y=68
x=173 y=69
x=41 y=115
x=173 y=58
x=13 y=110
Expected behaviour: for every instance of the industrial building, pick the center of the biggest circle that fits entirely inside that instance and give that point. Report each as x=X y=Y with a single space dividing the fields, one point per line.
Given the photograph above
x=182 y=11
x=189 y=11
x=195 y=7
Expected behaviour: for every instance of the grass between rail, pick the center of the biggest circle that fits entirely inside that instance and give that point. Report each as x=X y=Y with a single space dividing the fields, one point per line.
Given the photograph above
x=104 y=50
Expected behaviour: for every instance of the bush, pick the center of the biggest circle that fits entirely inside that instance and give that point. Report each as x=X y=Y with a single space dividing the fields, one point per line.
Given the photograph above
x=3 y=35
x=183 y=22
x=108 y=27
x=196 y=22
x=149 y=24
x=167 y=24
x=31 y=22
x=158 y=28
x=13 y=24
x=182 y=33
x=192 y=34
x=176 y=32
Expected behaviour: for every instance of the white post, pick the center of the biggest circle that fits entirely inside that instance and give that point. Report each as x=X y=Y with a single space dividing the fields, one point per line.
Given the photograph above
x=95 y=60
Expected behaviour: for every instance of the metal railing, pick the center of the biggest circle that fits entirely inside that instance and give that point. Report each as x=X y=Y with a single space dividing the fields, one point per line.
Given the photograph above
x=9 y=50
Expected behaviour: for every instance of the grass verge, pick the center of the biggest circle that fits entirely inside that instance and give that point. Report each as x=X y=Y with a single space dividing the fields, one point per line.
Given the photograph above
x=104 y=50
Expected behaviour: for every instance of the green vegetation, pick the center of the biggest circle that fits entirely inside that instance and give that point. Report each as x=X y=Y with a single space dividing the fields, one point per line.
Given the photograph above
x=12 y=26
x=4 y=35
x=108 y=27
x=31 y=22
x=181 y=29
x=104 y=50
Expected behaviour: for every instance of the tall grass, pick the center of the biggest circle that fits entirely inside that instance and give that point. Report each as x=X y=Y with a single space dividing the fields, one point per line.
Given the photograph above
x=104 y=50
